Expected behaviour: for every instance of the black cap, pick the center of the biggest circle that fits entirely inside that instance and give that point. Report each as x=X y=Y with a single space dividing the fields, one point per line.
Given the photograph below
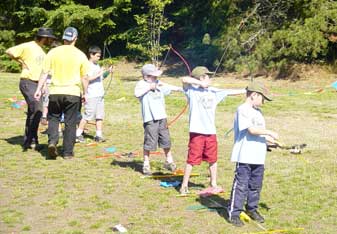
x=45 y=32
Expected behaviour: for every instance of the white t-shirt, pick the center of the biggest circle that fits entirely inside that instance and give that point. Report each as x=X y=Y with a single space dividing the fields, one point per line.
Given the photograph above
x=248 y=148
x=95 y=87
x=153 y=102
x=202 y=106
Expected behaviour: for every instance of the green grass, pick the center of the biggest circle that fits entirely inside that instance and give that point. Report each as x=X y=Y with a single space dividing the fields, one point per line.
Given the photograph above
x=90 y=195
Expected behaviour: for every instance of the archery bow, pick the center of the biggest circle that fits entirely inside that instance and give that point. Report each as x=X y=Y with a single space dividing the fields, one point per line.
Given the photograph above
x=189 y=73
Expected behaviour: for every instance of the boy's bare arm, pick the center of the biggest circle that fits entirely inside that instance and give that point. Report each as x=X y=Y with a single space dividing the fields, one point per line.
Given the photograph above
x=142 y=89
x=95 y=76
x=271 y=135
x=233 y=92
x=187 y=80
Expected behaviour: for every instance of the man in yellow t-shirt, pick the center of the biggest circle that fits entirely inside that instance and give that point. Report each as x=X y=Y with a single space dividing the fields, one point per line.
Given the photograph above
x=68 y=68
x=30 y=55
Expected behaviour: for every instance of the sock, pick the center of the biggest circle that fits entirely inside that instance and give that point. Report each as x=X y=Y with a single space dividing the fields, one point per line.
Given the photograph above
x=79 y=132
x=99 y=133
x=169 y=159
x=146 y=162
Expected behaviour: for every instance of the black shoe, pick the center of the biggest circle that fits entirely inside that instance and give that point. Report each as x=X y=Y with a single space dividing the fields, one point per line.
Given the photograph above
x=52 y=152
x=255 y=215
x=236 y=221
x=99 y=139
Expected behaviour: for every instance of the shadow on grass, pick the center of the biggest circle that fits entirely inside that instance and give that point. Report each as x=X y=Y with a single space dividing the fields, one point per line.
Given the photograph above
x=215 y=202
x=15 y=140
x=134 y=165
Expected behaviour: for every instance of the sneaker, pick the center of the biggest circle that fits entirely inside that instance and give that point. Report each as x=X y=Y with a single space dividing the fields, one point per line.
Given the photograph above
x=99 y=139
x=80 y=139
x=170 y=166
x=184 y=191
x=52 y=151
x=255 y=215
x=147 y=170
x=236 y=221
x=68 y=157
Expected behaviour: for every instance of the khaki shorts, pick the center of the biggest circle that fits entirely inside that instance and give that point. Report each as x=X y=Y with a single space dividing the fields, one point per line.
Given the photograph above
x=156 y=133
x=94 y=109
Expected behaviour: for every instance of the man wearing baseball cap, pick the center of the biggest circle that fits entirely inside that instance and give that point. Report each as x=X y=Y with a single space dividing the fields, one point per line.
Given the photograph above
x=68 y=67
x=30 y=55
x=151 y=93
x=249 y=153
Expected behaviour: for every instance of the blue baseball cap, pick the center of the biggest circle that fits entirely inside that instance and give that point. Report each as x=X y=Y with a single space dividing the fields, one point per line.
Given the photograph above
x=70 y=34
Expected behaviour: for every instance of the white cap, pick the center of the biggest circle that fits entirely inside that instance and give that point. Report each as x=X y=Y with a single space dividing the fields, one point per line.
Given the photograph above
x=151 y=70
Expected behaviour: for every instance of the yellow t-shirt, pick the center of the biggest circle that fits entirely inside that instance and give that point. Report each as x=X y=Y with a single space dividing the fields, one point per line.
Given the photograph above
x=32 y=55
x=67 y=65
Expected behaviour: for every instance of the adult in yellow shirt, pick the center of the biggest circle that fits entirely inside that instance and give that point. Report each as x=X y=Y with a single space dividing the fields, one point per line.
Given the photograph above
x=68 y=68
x=31 y=55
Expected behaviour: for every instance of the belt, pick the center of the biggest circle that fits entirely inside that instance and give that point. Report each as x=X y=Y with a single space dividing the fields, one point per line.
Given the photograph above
x=35 y=81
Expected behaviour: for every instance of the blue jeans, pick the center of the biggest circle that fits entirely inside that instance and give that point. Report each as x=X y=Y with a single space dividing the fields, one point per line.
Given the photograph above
x=247 y=186
x=69 y=105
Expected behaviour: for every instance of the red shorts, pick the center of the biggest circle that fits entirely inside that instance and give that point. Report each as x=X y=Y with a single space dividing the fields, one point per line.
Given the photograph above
x=202 y=147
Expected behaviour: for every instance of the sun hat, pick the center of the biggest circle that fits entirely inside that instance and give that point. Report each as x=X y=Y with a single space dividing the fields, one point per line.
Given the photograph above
x=151 y=70
x=258 y=87
x=45 y=32
x=200 y=71
x=70 y=34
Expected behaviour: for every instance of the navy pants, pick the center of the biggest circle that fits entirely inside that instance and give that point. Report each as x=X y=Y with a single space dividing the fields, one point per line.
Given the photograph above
x=247 y=186
x=69 y=105
x=34 y=111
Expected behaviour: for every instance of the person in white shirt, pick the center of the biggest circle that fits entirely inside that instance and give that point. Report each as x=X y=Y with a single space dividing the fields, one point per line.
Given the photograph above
x=94 y=103
x=203 y=145
x=151 y=93
x=249 y=153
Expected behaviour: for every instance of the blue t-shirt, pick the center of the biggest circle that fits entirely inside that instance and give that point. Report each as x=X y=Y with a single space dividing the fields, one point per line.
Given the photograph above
x=202 y=106
x=152 y=102
x=248 y=148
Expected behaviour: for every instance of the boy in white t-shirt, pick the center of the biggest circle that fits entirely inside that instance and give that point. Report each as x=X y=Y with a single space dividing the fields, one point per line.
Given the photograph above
x=249 y=153
x=94 y=98
x=151 y=94
x=203 y=145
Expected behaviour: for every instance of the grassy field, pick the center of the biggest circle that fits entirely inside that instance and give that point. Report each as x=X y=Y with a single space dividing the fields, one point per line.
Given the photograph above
x=91 y=194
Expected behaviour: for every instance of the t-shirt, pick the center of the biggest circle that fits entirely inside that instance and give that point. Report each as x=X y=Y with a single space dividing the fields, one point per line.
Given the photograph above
x=67 y=65
x=202 y=106
x=153 y=102
x=248 y=148
x=95 y=87
x=32 y=55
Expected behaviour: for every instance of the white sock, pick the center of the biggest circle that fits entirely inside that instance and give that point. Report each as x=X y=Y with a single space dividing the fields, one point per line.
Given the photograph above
x=79 y=132
x=99 y=133
x=146 y=163
x=169 y=159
